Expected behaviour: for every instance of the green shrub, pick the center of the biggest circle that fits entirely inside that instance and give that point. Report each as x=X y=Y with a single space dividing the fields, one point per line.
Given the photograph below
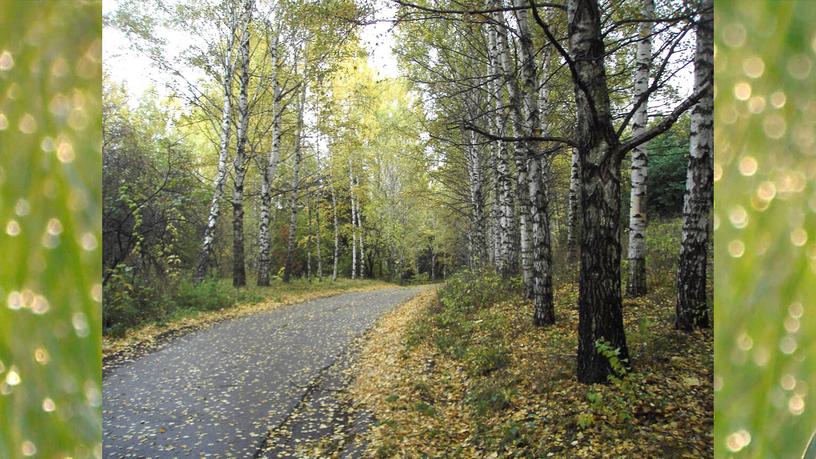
x=489 y=397
x=209 y=295
x=483 y=360
x=468 y=291
x=454 y=345
x=425 y=409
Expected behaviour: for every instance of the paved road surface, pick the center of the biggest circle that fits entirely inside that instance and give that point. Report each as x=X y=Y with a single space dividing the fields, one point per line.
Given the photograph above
x=218 y=392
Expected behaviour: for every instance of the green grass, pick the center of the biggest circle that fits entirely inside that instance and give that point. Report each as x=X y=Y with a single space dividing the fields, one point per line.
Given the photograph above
x=50 y=237
x=765 y=228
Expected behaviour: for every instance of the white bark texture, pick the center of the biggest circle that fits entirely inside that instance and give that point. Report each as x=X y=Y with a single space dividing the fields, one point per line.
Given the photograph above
x=522 y=195
x=506 y=259
x=268 y=175
x=573 y=200
x=239 y=163
x=228 y=66
x=336 y=234
x=478 y=249
x=353 y=222
x=290 y=246
x=542 y=295
x=692 y=307
x=640 y=158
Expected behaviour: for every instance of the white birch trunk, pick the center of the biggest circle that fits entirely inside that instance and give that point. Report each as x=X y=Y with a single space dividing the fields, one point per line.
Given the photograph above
x=353 y=222
x=264 y=241
x=572 y=211
x=290 y=246
x=522 y=195
x=640 y=159
x=309 y=239
x=317 y=224
x=336 y=234
x=504 y=196
x=223 y=154
x=239 y=163
x=361 y=262
x=478 y=246
x=692 y=306
x=543 y=311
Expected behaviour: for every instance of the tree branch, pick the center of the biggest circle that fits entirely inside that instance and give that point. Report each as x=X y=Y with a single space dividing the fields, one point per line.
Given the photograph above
x=664 y=124
x=472 y=127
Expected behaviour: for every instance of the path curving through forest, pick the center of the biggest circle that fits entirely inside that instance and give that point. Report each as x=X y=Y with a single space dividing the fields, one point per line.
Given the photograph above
x=219 y=392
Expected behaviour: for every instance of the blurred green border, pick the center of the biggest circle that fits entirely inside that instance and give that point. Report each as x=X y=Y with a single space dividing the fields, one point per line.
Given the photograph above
x=50 y=229
x=765 y=256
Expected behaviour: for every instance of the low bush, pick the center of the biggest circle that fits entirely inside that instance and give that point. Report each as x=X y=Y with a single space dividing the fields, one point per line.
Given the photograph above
x=208 y=295
x=469 y=291
x=484 y=359
x=489 y=397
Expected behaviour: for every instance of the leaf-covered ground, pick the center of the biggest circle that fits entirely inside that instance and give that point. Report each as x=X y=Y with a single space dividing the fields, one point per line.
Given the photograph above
x=489 y=384
x=138 y=340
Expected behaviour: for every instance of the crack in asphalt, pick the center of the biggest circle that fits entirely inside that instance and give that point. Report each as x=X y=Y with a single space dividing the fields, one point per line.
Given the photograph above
x=309 y=389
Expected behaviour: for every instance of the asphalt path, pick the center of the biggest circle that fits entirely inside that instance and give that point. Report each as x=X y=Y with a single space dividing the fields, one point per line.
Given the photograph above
x=223 y=390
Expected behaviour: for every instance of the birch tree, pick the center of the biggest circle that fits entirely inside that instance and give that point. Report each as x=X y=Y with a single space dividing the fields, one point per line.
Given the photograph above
x=268 y=172
x=240 y=161
x=353 y=220
x=542 y=296
x=503 y=195
x=640 y=159
x=692 y=307
x=522 y=191
x=293 y=201
x=572 y=202
x=336 y=253
x=478 y=250
x=600 y=151
x=228 y=69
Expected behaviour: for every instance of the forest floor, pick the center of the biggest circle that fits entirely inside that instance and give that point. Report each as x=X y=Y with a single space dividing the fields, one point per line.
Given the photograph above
x=145 y=338
x=487 y=383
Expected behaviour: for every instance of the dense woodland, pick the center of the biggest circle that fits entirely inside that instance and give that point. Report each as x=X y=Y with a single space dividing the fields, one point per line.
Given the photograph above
x=520 y=139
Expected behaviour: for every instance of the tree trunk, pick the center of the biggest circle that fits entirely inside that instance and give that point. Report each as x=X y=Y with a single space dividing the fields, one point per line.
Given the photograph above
x=640 y=160
x=522 y=195
x=478 y=250
x=309 y=239
x=542 y=295
x=599 y=297
x=239 y=163
x=692 y=307
x=336 y=234
x=361 y=261
x=269 y=174
x=290 y=246
x=221 y=171
x=353 y=223
x=317 y=233
x=572 y=211
x=433 y=265
x=504 y=195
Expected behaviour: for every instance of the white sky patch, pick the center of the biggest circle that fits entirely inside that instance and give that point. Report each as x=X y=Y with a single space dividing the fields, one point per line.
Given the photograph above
x=122 y=63
x=378 y=39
